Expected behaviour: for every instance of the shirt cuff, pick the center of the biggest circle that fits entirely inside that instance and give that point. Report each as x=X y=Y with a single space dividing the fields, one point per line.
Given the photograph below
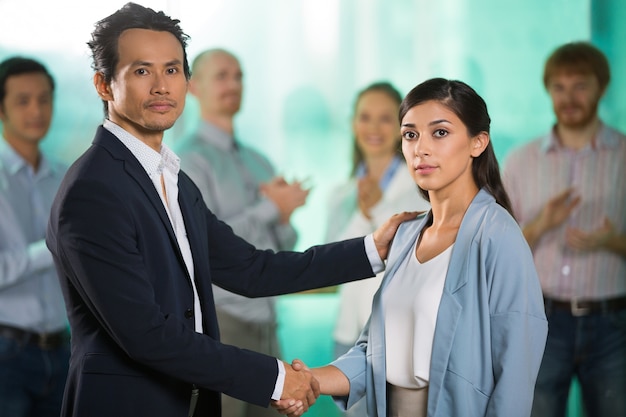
x=372 y=254
x=280 y=381
x=266 y=210
x=39 y=257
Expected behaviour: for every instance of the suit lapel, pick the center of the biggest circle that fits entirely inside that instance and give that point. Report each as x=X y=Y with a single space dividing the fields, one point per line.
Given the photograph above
x=194 y=215
x=137 y=173
x=191 y=208
x=188 y=207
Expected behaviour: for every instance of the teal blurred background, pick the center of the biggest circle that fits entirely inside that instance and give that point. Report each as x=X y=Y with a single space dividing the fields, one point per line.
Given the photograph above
x=304 y=61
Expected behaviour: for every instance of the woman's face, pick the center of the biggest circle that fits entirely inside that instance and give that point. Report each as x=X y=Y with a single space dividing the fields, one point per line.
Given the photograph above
x=438 y=149
x=375 y=124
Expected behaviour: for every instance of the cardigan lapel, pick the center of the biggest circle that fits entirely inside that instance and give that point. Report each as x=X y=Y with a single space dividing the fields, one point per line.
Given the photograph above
x=449 y=308
x=456 y=276
x=402 y=244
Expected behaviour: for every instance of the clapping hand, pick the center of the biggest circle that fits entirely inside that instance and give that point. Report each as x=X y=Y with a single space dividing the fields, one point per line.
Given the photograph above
x=589 y=241
x=286 y=196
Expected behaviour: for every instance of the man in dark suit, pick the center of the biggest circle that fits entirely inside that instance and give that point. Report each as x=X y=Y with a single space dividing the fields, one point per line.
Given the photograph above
x=137 y=250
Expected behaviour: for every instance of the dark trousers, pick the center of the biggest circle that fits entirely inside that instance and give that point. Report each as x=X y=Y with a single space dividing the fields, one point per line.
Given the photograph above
x=32 y=379
x=591 y=348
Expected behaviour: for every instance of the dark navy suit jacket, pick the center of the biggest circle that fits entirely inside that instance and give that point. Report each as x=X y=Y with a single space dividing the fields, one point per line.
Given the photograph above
x=129 y=296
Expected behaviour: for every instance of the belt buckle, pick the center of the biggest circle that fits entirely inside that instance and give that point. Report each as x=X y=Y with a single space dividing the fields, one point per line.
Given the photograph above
x=577 y=310
x=46 y=341
x=43 y=342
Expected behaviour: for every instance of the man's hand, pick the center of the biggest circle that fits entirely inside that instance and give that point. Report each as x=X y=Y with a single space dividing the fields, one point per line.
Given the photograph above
x=552 y=215
x=368 y=195
x=386 y=232
x=287 y=197
x=290 y=406
x=300 y=391
x=331 y=382
x=558 y=209
x=582 y=241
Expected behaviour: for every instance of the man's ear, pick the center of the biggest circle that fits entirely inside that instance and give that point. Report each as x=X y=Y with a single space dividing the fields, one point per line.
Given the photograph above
x=479 y=143
x=103 y=88
x=193 y=87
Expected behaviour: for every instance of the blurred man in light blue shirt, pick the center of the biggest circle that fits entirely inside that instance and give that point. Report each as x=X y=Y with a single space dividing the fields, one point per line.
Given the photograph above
x=241 y=187
x=34 y=337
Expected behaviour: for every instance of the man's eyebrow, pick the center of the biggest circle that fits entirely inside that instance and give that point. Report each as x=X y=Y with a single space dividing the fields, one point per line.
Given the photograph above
x=173 y=62
x=140 y=63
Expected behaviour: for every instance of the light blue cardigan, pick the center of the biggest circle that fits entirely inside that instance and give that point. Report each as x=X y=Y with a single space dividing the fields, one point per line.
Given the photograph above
x=491 y=326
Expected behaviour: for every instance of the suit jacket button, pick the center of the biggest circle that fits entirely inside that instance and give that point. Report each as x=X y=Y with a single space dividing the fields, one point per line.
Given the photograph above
x=188 y=313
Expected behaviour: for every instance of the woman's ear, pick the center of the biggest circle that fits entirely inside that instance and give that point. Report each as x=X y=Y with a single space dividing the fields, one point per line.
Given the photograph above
x=103 y=88
x=479 y=143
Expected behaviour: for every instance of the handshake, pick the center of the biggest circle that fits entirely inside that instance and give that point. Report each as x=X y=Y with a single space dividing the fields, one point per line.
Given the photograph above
x=303 y=386
x=300 y=391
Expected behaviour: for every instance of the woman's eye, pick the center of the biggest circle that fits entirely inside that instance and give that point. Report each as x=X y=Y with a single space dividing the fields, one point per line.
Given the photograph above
x=409 y=135
x=439 y=133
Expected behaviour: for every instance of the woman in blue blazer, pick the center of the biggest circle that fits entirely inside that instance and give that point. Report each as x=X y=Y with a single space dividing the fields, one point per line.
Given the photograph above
x=458 y=325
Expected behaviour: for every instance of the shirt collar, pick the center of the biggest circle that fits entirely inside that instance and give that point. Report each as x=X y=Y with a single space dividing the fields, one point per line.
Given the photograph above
x=605 y=139
x=152 y=161
x=215 y=136
x=361 y=171
x=15 y=163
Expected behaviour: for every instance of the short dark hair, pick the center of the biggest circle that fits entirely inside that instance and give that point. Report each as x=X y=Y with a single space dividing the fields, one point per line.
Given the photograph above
x=20 y=65
x=578 y=58
x=379 y=86
x=468 y=106
x=105 y=37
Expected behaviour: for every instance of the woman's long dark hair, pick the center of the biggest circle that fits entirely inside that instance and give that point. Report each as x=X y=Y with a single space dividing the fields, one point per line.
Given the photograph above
x=468 y=106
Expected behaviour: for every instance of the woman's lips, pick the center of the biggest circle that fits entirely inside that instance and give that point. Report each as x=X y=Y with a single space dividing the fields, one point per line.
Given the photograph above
x=425 y=169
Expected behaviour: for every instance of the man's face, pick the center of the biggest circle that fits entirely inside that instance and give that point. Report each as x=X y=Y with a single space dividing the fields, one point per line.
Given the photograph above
x=218 y=85
x=575 y=98
x=147 y=93
x=26 y=111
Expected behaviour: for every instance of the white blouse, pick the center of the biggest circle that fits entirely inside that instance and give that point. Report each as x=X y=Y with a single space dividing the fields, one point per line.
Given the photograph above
x=410 y=303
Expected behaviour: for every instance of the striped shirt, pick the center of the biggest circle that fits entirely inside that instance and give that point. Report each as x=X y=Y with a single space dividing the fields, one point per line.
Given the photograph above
x=543 y=168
